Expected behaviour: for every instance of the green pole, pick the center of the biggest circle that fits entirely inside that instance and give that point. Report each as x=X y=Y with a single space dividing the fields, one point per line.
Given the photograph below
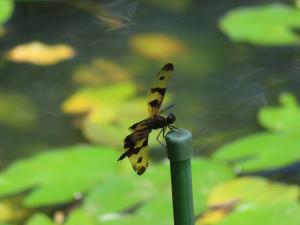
x=179 y=147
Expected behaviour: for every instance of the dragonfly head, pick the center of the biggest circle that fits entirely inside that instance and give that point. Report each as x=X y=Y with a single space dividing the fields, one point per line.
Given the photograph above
x=171 y=118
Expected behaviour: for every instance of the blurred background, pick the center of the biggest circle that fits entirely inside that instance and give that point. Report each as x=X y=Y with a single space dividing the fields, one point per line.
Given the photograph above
x=74 y=76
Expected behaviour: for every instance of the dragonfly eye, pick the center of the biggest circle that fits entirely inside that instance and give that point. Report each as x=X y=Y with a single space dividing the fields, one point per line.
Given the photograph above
x=171 y=118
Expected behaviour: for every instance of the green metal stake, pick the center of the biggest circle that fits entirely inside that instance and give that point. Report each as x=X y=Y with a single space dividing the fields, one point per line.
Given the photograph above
x=180 y=152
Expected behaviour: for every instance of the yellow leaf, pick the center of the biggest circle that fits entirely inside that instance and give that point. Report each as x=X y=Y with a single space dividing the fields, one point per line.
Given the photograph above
x=40 y=54
x=211 y=217
x=156 y=46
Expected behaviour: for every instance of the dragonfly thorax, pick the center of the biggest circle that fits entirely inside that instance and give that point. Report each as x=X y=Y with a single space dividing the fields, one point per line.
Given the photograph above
x=161 y=122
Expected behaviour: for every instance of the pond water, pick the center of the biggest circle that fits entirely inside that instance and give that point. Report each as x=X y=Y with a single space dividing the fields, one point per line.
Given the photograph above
x=217 y=88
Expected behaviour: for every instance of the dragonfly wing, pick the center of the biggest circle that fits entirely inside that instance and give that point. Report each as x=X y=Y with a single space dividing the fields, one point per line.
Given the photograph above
x=158 y=89
x=136 y=149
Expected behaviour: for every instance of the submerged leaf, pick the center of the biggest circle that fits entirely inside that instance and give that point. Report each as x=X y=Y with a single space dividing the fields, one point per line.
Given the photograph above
x=16 y=111
x=272 y=24
x=156 y=46
x=174 y=5
x=100 y=71
x=40 y=54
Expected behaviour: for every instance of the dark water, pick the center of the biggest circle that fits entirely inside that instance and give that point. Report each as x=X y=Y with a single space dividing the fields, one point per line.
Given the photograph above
x=217 y=99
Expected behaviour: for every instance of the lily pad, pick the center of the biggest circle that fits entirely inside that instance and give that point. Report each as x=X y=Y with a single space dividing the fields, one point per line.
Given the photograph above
x=267 y=150
x=149 y=196
x=261 y=214
x=6 y=10
x=108 y=111
x=256 y=199
x=77 y=217
x=59 y=176
x=39 y=53
x=260 y=151
x=284 y=118
x=272 y=24
x=39 y=219
x=256 y=190
x=11 y=210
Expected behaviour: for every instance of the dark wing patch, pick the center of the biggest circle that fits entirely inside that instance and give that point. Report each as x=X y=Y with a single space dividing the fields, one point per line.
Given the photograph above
x=142 y=125
x=136 y=147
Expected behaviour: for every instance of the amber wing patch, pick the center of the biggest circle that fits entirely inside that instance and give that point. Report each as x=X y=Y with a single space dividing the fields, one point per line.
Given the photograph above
x=158 y=89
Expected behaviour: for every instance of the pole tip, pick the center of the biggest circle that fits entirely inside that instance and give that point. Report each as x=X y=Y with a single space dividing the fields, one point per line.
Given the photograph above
x=179 y=144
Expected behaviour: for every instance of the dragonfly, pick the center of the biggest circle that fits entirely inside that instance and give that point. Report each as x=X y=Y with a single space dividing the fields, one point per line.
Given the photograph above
x=136 y=143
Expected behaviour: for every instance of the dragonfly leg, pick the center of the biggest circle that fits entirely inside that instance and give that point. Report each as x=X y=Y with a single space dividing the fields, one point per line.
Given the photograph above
x=157 y=138
x=175 y=129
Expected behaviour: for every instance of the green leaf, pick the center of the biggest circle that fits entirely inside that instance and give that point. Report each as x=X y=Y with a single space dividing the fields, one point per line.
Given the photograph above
x=150 y=195
x=254 y=198
x=6 y=10
x=206 y=175
x=272 y=24
x=109 y=197
x=253 y=190
x=39 y=219
x=76 y=217
x=58 y=176
x=285 y=118
x=264 y=214
x=261 y=151
x=79 y=217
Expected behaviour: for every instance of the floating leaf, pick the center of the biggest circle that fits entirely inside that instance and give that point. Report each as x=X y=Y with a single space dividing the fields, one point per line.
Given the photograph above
x=6 y=10
x=247 y=195
x=206 y=175
x=150 y=195
x=100 y=71
x=16 y=111
x=77 y=217
x=40 y=54
x=247 y=190
x=156 y=46
x=272 y=24
x=108 y=111
x=59 y=176
x=11 y=210
x=261 y=152
x=90 y=99
x=264 y=150
x=264 y=214
x=285 y=118
x=39 y=219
